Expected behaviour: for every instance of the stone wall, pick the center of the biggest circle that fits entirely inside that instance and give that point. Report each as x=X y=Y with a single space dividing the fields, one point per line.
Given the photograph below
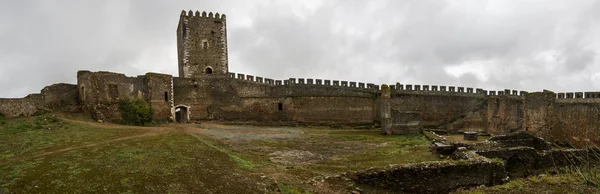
x=202 y=44
x=440 y=110
x=57 y=97
x=100 y=92
x=537 y=111
x=160 y=94
x=221 y=97
x=504 y=114
x=29 y=105
x=525 y=161
x=434 y=177
x=575 y=121
x=60 y=96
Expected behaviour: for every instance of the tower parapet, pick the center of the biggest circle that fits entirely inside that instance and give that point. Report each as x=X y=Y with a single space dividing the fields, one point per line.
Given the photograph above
x=202 y=44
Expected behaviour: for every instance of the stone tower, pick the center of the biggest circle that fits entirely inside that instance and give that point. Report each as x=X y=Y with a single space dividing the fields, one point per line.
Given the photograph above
x=201 y=44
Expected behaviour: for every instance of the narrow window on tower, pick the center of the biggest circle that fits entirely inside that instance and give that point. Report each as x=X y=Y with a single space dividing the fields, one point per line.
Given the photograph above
x=166 y=96
x=280 y=106
x=204 y=44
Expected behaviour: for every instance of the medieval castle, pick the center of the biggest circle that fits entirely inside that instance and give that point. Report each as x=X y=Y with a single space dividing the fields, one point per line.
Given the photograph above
x=206 y=90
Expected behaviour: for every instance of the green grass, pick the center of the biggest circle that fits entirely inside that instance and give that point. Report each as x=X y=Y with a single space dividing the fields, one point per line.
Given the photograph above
x=171 y=162
x=30 y=136
x=350 y=150
x=290 y=189
x=386 y=150
x=240 y=161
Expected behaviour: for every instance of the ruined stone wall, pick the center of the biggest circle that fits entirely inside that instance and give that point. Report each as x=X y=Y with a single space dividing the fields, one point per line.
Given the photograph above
x=60 y=96
x=202 y=44
x=100 y=92
x=442 y=109
x=27 y=106
x=160 y=94
x=434 y=177
x=57 y=97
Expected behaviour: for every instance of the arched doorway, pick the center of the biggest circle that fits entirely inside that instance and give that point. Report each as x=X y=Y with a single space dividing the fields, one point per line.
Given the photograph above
x=182 y=114
x=208 y=70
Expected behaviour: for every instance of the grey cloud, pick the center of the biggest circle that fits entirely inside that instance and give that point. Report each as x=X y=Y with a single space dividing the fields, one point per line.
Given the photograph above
x=524 y=45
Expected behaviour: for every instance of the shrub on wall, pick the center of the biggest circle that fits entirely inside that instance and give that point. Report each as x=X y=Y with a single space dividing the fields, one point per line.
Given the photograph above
x=135 y=112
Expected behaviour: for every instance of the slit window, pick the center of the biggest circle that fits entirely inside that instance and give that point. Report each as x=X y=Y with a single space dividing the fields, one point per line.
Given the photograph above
x=280 y=106
x=166 y=96
x=204 y=44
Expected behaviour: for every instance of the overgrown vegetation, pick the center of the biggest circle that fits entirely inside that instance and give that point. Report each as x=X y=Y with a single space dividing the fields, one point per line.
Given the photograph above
x=135 y=112
x=2 y=119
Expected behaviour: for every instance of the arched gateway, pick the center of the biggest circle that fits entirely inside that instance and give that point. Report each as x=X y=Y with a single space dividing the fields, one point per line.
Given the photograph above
x=182 y=113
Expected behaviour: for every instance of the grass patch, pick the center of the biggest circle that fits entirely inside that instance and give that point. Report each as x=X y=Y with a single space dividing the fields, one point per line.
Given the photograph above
x=240 y=161
x=290 y=189
x=34 y=135
x=173 y=162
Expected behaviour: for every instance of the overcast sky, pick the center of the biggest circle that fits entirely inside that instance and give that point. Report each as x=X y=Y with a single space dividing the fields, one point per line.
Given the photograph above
x=514 y=44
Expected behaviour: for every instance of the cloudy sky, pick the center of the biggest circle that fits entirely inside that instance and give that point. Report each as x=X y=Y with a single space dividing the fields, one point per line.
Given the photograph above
x=515 y=44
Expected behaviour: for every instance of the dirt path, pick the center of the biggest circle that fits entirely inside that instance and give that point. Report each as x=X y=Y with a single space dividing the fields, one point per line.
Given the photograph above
x=111 y=125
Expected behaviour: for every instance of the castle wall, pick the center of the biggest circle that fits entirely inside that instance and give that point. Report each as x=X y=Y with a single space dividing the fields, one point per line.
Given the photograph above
x=441 y=109
x=223 y=98
x=570 y=118
x=336 y=104
x=575 y=122
x=504 y=114
x=58 y=97
x=101 y=91
x=27 y=106
x=244 y=98
x=538 y=110
x=160 y=94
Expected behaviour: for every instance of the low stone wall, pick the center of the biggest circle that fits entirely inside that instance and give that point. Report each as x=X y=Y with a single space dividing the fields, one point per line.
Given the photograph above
x=521 y=138
x=434 y=177
x=27 y=106
x=525 y=161
x=54 y=97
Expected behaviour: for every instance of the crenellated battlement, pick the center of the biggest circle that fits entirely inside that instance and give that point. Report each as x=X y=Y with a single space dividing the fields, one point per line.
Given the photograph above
x=441 y=90
x=401 y=88
x=304 y=82
x=197 y=14
x=567 y=95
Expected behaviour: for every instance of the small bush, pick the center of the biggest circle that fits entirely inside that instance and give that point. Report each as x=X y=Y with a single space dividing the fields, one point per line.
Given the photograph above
x=135 y=112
